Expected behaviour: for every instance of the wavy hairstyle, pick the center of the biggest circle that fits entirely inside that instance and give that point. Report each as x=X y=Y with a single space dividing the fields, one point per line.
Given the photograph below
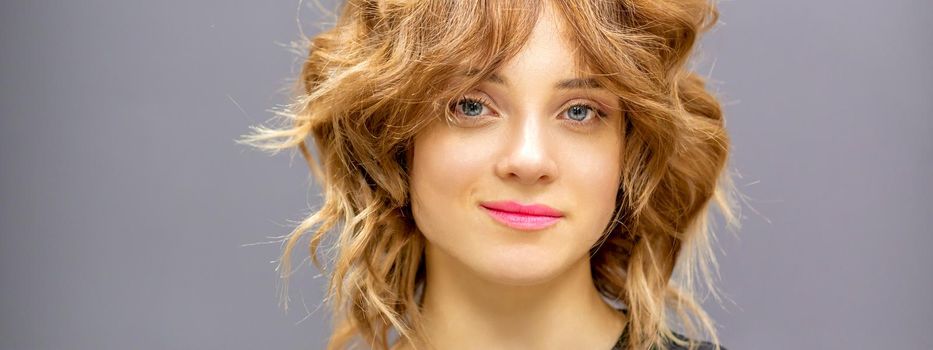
x=385 y=70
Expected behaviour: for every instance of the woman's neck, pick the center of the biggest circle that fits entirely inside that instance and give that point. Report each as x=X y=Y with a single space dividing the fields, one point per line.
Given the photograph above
x=463 y=311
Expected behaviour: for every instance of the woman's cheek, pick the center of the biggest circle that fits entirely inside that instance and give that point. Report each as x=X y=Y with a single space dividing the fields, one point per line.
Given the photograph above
x=455 y=160
x=448 y=165
x=593 y=170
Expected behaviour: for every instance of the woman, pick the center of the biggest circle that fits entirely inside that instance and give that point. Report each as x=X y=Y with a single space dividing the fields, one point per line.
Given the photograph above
x=510 y=174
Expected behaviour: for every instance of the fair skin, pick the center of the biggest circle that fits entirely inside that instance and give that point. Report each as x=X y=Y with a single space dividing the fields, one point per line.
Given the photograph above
x=520 y=138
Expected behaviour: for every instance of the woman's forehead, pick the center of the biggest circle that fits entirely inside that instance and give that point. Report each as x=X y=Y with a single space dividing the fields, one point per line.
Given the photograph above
x=548 y=41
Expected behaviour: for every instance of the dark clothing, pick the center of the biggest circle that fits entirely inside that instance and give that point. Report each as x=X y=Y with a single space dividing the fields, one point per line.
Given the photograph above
x=703 y=345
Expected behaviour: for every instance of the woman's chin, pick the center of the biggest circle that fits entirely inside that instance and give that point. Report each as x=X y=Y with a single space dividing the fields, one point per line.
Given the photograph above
x=521 y=269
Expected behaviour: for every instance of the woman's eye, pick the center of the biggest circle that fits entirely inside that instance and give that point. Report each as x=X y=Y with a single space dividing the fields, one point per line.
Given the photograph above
x=471 y=107
x=580 y=112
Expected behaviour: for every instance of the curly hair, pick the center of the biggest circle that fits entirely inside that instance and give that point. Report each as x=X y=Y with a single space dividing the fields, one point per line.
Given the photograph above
x=385 y=70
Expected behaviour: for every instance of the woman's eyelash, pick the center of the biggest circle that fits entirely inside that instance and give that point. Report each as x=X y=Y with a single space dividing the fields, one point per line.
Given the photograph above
x=479 y=100
x=599 y=112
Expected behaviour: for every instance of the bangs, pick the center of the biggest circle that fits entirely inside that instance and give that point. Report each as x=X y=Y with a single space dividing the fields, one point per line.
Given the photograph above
x=459 y=44
x=445 y=48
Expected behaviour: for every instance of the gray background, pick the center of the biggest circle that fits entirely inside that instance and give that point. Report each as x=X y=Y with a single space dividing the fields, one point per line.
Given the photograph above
x=125 y=203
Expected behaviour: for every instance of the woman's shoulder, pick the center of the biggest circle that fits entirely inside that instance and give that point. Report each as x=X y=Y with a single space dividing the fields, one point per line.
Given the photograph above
x=701 y=344
x=671 y=345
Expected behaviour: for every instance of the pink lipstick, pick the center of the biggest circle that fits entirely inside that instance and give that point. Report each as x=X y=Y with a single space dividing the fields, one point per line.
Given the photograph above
x=522 y=217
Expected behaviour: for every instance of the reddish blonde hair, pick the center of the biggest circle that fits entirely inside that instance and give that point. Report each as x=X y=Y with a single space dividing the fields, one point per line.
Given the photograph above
x=382 y=73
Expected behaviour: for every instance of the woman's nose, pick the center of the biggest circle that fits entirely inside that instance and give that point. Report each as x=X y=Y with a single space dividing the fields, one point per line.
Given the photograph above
x=527 y=156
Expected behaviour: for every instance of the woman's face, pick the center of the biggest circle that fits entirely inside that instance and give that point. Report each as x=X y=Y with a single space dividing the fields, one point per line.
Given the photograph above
x=533 y=135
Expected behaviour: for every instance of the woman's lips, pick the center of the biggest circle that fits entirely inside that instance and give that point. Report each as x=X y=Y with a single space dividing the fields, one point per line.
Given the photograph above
x=522 y=221
x=522 y=217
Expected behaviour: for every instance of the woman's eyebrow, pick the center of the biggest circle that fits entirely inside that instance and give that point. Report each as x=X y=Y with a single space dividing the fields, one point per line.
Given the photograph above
x=566 y=84
x=578 y=83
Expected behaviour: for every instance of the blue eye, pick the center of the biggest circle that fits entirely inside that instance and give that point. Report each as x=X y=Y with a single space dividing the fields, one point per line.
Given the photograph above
x=470 y=107
x=579 y=112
